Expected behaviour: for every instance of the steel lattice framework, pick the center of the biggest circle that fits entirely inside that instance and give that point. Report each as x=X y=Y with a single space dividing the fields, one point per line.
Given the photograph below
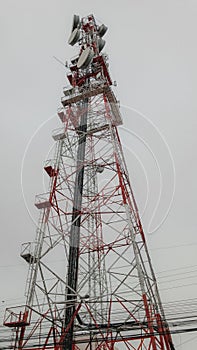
x=102 y=290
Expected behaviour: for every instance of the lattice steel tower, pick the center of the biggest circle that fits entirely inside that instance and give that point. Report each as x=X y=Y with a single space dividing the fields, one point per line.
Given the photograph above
x=90 y=283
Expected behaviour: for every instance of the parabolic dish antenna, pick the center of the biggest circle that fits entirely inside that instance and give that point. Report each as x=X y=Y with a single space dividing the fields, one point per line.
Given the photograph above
x=85 y=58
x=76 y=21
x=101 y=44
x=74 y=37
x=102 y=30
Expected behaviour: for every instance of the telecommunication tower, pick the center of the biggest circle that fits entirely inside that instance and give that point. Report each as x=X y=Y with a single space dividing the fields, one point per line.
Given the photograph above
x=90 y=283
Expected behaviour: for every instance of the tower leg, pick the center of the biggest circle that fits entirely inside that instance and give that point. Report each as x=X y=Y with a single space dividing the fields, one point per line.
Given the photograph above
x=75 y=229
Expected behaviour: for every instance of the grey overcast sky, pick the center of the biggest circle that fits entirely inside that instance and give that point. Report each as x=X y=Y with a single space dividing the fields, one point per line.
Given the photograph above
x=153 y=54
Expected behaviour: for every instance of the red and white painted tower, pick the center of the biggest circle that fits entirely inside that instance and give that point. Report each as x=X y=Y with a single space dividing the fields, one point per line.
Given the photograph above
x=90 y=283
